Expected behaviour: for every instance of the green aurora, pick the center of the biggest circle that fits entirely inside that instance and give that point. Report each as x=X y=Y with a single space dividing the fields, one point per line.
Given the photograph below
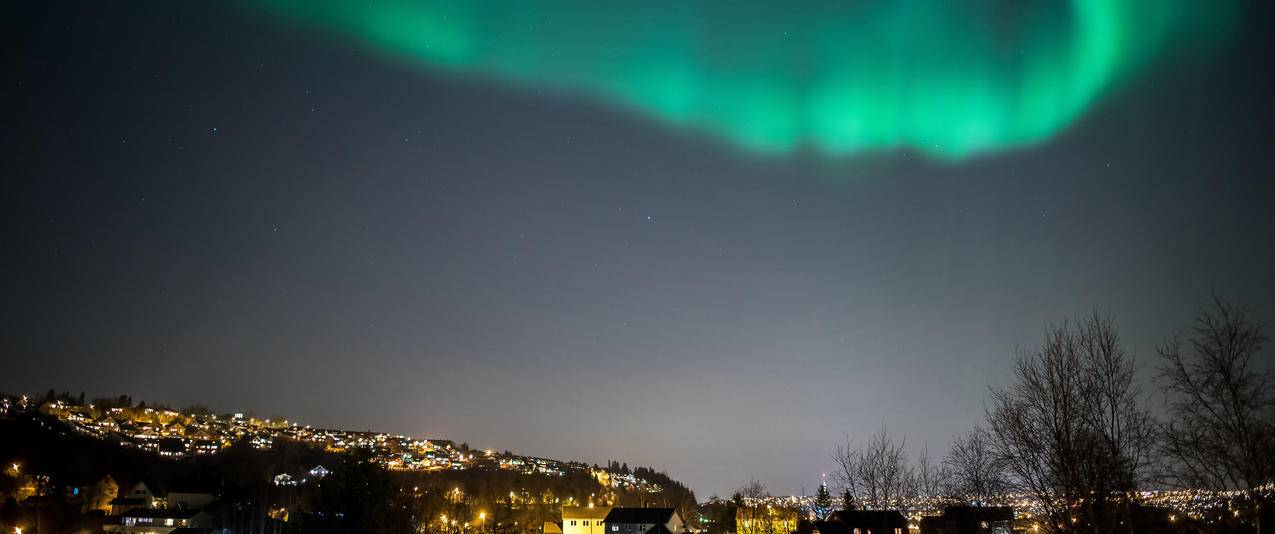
x=950 y=78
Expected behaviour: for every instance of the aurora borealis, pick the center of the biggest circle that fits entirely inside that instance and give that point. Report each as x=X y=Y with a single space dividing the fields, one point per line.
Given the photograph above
x=952 y=79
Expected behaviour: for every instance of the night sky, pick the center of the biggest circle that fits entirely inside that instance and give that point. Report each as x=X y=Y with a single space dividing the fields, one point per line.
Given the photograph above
x=252 y=208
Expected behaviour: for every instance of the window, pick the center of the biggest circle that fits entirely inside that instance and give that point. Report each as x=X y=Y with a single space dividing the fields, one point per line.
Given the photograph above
x=586 y=523
x=573 y=523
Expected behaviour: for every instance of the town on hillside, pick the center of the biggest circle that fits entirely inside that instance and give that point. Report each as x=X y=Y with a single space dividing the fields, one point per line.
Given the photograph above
x=180 y=434
x=165 y=448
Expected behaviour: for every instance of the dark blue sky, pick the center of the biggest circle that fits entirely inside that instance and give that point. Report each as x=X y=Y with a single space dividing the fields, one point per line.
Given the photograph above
x=204 y=206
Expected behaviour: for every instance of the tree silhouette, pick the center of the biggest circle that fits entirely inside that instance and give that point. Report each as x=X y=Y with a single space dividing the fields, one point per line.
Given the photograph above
x=1221 y=429
x=1072 y=430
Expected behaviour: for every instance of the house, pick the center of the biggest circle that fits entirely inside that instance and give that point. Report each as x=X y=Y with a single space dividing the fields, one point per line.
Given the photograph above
x=192 y=494
x=284 y=479
x=622 y=520
x=970 y=520
x=139 y=496
x=863 y=522
x=173 y=447
x=584 y=519
x=146 y=430
x=204 y=446
x=75 y=492
x=143 y=521
x=121 y=505
x=127 y=427
x=86 y=494
x=106 y=423
x=319 y=472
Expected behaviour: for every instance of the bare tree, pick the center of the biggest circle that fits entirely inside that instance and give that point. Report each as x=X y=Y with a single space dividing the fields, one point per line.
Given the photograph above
x=754 y=514
x=930 y=479
x=1222 y=409
x=846 y=477
x=1071 y=431
x=976 y=475
x=749 y=517
x=877 y=476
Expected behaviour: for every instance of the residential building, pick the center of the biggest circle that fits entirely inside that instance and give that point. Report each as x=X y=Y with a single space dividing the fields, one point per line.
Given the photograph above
x=173 y=447
x=584 y=519
x=143 y=521
x=139 y=496
x=621 y=520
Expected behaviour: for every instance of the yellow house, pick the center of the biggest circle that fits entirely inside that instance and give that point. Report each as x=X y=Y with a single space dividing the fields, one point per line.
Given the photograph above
x=584 y=519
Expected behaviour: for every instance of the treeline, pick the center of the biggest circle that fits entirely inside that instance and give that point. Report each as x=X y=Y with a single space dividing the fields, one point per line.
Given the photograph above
x=1074 y=433
x=671 y=494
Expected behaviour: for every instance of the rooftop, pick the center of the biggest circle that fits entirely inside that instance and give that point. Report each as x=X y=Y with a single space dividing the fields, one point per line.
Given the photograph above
x=639 y=515
x=585 y=512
